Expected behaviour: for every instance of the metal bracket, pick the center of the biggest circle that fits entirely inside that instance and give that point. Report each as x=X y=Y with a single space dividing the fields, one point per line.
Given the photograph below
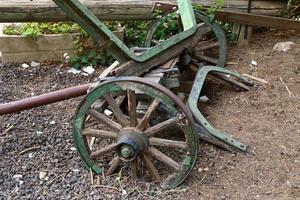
x=208 y=132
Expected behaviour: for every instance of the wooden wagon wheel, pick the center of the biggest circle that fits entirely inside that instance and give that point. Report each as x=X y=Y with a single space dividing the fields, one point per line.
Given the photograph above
x=131 y=135
x=211 y=49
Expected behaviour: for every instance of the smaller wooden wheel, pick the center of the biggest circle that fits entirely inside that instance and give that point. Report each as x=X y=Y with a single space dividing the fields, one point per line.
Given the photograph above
x=211 y=49
x=138 y=126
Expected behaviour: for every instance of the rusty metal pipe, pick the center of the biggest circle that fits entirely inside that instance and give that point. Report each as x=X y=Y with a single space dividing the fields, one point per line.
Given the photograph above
x=44 y=99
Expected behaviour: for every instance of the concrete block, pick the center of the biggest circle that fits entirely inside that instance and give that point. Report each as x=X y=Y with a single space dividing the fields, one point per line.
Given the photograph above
x=25 y=49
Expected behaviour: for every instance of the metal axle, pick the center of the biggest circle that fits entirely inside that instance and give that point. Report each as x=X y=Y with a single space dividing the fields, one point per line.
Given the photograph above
x=44 y=99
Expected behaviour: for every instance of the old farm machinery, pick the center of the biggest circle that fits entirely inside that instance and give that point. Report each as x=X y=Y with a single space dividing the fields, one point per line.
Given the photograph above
x=137 y=115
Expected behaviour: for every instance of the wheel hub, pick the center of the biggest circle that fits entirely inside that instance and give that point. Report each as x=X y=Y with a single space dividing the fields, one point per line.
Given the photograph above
x=131 y=143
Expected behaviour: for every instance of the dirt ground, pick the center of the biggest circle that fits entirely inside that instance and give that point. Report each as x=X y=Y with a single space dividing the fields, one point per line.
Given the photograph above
x=267 y=118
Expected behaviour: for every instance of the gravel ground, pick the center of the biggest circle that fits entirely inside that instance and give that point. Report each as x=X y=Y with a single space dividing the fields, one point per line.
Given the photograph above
x=38 y=159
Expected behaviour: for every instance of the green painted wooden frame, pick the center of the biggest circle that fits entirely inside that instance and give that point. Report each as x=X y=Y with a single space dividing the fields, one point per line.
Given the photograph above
x=198 y=116
x=98 y=30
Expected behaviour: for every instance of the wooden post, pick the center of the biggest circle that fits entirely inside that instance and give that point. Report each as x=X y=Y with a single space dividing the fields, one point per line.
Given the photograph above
x=243 y=33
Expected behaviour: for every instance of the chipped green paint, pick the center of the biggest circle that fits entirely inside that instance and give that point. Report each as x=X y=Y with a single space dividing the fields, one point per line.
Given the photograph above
x=79 y=121
x=219 y=33
x=193 y=105
x=187 y=16
x=187 y=163
x=127 y=151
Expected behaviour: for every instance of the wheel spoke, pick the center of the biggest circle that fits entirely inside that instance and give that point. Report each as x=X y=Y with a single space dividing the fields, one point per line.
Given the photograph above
x=103 y=151
x=134 y=168
x=205 y=45
x=207 y=58
x=132 y=108
x=167 y=143
x=104 y=119
x=99 y=133
x=116 y=110
x=143 y=123
x=164 y=158
x=153 y=171
x=161 y=126
x=114 y=165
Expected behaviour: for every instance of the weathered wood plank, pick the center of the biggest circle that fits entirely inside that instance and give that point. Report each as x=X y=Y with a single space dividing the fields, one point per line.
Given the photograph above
x=46 y=10
x=258 y=20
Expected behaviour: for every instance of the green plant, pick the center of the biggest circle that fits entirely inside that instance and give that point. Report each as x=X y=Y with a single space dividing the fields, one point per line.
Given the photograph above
x=217 y=5
x=135 y=32
x=35 y=29
x=293 y=8
x=87 y=52
x=228 y=29
x=170 y=26
x=93 y=57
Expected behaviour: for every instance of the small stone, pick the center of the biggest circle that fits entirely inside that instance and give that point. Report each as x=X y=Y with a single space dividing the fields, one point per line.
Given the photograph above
x=74 y=71
x=42 y=175
x=39 y=132
x=18 y=176
x=76 y=170
x=73 y=149
x=66 y=57
x=204 y=99
x=203 y=169
x=124 y=192
x=254 y=63
x=85 y=74
x=25 y=66
x=30 y=155
x=46 y=178
x=52 y=123
x=89 y=70
x=108 y=112
x=21 y=182
x=283 y=46
x=35 y=64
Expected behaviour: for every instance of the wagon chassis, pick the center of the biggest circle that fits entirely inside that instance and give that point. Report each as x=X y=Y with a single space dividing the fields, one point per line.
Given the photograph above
x=126 y=120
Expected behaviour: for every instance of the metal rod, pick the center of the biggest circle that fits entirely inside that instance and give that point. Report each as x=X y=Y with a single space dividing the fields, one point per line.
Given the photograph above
x=44 y=99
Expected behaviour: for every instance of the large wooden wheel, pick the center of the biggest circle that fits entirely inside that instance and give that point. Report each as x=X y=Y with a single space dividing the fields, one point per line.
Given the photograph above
x=139 y=126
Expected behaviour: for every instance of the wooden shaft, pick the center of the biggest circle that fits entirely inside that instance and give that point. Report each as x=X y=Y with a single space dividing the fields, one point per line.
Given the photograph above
x=116 y=110
x=132 y=108
x=104 y=119
x=143 y=123
x=99 y=133
x=164 y=158
x=114 y=165
x=104 y=150
x=161 y=126
x=152 y=169
x=44 y=99
x=167 y=143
